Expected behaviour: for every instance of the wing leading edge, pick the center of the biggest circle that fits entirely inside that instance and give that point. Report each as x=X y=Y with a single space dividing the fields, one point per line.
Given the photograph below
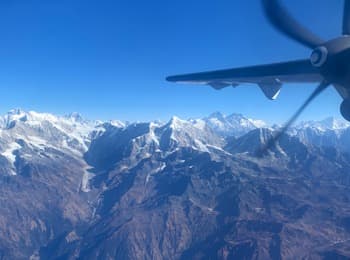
x=268 y=77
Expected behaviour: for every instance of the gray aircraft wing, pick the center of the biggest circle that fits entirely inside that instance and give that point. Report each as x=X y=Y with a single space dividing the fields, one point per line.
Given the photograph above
x=269 y=78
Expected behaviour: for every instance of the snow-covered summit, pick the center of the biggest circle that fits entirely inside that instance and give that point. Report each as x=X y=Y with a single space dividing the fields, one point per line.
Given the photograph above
x=234 y=124
x=75 y=117
x=176 y=123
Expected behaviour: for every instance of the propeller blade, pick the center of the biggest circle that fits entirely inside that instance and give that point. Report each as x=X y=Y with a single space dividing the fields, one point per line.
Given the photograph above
x=346 y=18
x=285 y=23
x=323 y=85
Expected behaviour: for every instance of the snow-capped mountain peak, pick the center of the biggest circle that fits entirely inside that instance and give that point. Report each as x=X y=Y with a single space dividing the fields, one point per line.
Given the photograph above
x=75 y=117
x=175 y=122
x=217 y=115
x=234 y=124
x=12 y=117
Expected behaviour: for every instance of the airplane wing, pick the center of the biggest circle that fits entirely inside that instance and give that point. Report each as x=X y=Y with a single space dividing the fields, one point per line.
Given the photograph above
x=268 y=77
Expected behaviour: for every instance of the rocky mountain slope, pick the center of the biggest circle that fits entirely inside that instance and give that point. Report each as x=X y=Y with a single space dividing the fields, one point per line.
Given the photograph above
x=184 y=189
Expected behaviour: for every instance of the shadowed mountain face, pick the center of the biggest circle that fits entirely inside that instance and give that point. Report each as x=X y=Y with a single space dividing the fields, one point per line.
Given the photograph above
x=76 y=189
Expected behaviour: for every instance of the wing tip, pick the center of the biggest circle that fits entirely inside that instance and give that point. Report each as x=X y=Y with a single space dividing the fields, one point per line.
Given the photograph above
x=171 y=78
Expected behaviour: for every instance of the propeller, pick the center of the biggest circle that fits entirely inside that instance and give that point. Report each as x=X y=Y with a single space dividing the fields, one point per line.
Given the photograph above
x=271 y=142
x=346 y=18
x=285 y=23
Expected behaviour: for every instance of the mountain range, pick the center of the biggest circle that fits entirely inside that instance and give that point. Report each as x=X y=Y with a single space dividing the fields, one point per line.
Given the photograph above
x=183 y=189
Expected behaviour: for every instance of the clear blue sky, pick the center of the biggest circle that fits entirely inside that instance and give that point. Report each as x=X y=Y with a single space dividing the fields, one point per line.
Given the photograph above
x=108 y=59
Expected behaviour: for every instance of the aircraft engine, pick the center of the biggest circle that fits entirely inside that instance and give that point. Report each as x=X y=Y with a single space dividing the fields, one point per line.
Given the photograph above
x=345 y=109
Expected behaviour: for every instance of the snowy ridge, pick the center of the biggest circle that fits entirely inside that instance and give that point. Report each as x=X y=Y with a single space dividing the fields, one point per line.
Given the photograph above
x=31 y=135
x=329 y=123
x=70 y=132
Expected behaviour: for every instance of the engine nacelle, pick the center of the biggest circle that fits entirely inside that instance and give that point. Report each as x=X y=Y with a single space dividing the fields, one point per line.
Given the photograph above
x=345 y=109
